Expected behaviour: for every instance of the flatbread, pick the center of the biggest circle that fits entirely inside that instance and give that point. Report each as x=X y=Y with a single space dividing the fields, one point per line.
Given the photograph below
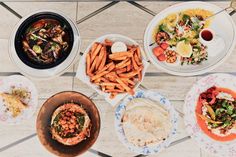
x=13 y=104
x=145 y=122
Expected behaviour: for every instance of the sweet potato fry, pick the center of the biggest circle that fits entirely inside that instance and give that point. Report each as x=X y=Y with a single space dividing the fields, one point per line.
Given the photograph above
x=114 y=91
x=103 y=88
x=131 y=92
x=113 y=95
x=137 y=59
x=123 y=64
x=140 y=75
x=120 y=54
x=99 y=75
x=128 y=81
x=100 y=57
x=120 y=87
x=105 y=67
x=109 y=84
x=88 y=63
x=138 y=52
x=95 y=53
x=129 y=68
x=93 y=64
x=104 y=58
x=134 y=63
x=110 y=87
x=94 y=46
x=119 y=71
x=129 y=75
x=119 y=58
x=111 y=67
x=104 y=79
x=108 y=42
x=123 y=84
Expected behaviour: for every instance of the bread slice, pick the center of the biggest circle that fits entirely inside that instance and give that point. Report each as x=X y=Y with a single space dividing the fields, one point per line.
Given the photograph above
x=13 y=104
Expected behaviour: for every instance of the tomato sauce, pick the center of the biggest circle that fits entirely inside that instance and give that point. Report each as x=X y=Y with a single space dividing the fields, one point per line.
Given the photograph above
x=203 y=125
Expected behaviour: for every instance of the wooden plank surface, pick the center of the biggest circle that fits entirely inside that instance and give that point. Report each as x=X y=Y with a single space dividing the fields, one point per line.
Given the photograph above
x=122 y=18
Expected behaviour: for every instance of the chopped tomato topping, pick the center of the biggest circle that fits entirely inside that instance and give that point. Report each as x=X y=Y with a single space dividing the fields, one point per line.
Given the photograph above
x=161 y=57
x=164 y=46
x=157 y=51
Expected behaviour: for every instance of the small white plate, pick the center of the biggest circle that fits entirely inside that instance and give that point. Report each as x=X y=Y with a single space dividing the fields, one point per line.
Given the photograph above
x=18 y=81
x=226 y=149
x=81 y=71
x=222 y=24
x=155 y=96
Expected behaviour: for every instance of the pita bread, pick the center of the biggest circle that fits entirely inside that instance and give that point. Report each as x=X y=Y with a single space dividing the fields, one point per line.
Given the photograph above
x=145 y=122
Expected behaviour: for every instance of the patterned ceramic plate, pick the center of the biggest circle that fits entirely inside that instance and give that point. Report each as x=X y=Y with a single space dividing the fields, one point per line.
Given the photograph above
x=226 y=149
x=16 y=82
x=155 y=96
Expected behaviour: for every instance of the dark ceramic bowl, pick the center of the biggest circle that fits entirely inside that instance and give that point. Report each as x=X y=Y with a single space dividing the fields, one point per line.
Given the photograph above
x=26 y=24
x=44 y=120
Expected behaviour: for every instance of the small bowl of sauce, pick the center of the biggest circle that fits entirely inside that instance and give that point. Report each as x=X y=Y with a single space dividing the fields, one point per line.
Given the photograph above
x=206 y=36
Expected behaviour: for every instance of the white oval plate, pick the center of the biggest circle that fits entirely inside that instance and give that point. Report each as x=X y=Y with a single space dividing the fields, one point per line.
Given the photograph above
x=20 y=82
x=222 y=25
x=81 y=71
x=155 y=96
x=51 y=72
x=226 y=149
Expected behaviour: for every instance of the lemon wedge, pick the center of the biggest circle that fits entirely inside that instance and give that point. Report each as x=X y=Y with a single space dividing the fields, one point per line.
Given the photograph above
x=184 y=49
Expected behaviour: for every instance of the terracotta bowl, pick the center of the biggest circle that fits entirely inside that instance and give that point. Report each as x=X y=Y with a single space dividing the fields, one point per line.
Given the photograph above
x=44 y=120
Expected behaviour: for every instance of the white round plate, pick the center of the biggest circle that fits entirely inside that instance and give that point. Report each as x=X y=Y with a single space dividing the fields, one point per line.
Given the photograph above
x=222 y=25
x=226 y=149
x=20 y=82
x=81 y=70
x=155 y=96
x=45 y=73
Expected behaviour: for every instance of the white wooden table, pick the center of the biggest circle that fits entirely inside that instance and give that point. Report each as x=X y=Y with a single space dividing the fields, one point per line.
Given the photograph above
x=125 y=18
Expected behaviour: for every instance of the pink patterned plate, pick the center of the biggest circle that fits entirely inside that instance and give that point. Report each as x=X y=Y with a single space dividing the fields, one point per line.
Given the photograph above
x=18 y=82
x=226 y=149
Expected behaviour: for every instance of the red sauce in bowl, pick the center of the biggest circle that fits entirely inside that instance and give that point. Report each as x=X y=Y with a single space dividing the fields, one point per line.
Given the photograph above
x=207 y=35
